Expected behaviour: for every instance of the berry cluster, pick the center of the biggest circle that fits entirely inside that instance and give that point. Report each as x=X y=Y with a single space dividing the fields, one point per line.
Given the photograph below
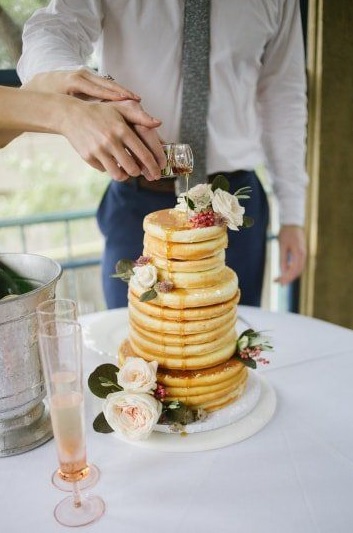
x=160 y=392
x=203 y=219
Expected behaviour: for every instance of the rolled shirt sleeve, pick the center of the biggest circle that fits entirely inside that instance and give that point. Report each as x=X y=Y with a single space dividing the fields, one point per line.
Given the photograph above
x=59 y=37
x=283 y=111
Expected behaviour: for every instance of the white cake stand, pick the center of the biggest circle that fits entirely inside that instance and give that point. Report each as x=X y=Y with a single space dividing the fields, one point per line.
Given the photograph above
x=229 y=428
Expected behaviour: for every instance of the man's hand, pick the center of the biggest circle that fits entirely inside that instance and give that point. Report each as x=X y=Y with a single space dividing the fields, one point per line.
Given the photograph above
x=292 y=253
x=121 y=140
x=81 y=83
x=101 y=134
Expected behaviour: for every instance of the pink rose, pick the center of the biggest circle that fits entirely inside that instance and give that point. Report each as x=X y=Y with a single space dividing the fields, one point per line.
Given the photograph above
x=132 y=415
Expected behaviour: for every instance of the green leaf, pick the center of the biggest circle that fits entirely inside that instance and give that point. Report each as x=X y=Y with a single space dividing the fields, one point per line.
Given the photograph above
x=247 y=333
x=243 y=193
x=101 y=425
x=248 y=222
x=98 y=380
x=190 y=203
x=247 y=362
x=148 y=295
x=123 y=269
x=177 y=413
x=220 y=182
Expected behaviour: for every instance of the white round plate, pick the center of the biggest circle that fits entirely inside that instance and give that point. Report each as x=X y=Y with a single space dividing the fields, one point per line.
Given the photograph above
x=240 y=430
x=104 y=333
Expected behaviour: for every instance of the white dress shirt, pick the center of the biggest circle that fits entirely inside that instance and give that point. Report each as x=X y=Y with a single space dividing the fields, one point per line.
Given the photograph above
x=257 y=108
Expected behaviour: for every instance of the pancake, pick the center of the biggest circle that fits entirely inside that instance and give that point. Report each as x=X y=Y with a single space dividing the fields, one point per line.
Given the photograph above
x=170 y=225
x=196 y=378
x=178 y=339
x=192 y=280
x=208 y=397
x=220 y=403
x=185 y=350
x=193 y=362
x=175 y=265
x=184 y=251
x=192 y=313
x=225 y=289
x=151 y=325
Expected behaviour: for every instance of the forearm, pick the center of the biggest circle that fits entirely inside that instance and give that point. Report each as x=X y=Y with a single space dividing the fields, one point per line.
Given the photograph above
x=29 y=111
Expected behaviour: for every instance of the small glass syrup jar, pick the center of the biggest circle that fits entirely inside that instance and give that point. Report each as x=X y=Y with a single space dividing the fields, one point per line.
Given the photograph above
x=180 y=160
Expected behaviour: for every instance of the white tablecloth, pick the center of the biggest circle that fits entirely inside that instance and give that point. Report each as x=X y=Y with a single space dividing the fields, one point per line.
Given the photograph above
x=294 y=476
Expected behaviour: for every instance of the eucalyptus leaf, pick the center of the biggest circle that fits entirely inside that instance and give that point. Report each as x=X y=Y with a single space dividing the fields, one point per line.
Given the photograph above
x=148 y=295
x=97 y=381
x=243 y=193
x=248 y=222
x=101 y=425
x=220 y=182
x=123 y=269
x=190 y=203
x=180 y=413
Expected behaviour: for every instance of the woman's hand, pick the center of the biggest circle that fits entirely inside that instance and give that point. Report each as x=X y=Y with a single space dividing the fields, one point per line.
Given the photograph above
x=135 y=130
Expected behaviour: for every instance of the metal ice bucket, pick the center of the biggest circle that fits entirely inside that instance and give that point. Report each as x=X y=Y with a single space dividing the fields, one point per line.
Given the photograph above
x=24 y=417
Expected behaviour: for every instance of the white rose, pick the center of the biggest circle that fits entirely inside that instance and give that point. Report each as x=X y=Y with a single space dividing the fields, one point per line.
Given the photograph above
x=201 y=195
x=146 y=276
x=181 y=203
x=132 y=415
x=137 y=375
x=227 y=205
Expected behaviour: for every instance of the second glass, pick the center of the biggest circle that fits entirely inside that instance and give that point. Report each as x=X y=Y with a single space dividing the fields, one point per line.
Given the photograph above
x=60 y=343
x=49 y=311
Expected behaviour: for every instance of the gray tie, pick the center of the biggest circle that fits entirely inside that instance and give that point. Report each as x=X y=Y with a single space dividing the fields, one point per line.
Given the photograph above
x=195 y=65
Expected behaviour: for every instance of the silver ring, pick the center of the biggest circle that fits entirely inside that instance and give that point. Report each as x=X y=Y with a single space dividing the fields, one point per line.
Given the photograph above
x=108 y=77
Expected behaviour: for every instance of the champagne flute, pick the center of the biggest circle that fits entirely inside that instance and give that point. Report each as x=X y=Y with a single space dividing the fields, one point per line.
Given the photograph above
x=57 y=308
x=60 y=343
x=65 y=309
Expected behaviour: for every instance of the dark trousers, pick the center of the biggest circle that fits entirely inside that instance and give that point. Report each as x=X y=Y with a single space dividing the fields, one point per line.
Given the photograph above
x=120 y=217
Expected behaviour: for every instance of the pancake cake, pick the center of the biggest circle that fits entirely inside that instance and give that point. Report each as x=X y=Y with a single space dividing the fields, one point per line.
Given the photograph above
x=183 y=308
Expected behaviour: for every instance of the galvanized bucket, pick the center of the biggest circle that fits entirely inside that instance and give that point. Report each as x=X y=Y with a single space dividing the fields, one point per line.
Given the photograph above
x=24 y=417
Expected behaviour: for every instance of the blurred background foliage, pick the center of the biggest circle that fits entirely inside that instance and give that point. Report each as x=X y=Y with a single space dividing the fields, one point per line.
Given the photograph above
x=39 y=173
x=13 y=14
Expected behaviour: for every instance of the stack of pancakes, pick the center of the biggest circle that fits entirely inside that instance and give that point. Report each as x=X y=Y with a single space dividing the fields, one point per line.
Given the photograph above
x=190 y=330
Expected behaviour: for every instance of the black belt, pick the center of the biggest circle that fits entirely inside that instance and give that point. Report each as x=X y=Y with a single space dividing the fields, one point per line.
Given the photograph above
x=167 y=184
x=161 y=185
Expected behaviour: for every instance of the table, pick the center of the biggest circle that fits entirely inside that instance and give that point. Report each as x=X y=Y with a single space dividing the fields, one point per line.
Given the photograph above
x=294 y=476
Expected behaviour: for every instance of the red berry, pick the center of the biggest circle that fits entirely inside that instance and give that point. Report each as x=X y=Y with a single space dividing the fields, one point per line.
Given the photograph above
x=203 y=220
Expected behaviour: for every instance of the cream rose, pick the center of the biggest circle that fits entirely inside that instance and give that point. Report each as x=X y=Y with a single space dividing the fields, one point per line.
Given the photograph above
x=132 y=415
x=181 y=203
x=146 y=276
x=227 y=205
x=137 y=375
x=201 y=195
